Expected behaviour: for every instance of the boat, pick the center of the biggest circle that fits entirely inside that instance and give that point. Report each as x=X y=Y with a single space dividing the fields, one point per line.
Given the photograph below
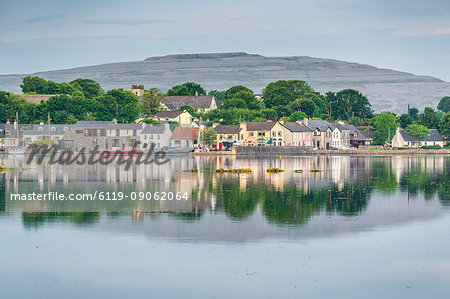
x=176 y=151
x=16 y=150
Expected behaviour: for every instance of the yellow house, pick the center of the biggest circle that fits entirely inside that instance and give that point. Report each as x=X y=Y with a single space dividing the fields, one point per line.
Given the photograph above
x=181 y=117
x=264 y=133
x=227 y=135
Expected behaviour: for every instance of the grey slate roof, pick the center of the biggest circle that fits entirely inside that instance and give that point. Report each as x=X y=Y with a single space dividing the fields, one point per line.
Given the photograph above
x=359 y=136
x=93 y=124
x=433 y=136
x=321 y=125
x=227 y=129
x=125 y=126
x=260 y=125
x=59 y=130
x=154 y=129
x=193 y=101
x=296 y=127
x=168 y=114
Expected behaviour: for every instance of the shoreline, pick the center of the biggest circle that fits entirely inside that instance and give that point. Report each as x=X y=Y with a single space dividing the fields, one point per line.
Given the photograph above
x=386 y=152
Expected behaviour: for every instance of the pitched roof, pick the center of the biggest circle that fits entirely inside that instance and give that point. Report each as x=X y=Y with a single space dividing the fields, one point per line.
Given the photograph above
x=81 y=124
x=359 y=135
x=296 y=127
x=37 y=98
x=260 y=125
x=168 y=114
x=433 y=136
x=125 y=126
x=227 y=129
x=193 y=101
x=368 y=134
x=154 y=129
x=185 y=133
x=43 y=129
x=321 y=125
x=339 y=126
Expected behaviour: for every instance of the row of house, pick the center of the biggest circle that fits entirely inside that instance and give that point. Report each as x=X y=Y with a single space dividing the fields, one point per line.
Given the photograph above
x=318 y=134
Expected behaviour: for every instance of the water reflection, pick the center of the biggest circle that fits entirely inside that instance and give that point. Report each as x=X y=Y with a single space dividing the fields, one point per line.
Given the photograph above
x=370 y=190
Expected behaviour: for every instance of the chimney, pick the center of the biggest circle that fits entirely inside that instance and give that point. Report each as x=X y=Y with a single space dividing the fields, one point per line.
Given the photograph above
x=196 y=93
x=305 y=121
x=114 y=121
x=215 y=125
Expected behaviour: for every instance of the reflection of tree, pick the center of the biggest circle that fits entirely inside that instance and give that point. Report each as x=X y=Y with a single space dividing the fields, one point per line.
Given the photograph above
x=32 y=219
x=236 y=203
x=351 y=200
x=443 y=189
x=415 y=181
x=384 y=179
x=290 y=206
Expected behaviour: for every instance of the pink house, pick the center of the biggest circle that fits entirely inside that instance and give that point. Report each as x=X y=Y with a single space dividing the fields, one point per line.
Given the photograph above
x=300 y=135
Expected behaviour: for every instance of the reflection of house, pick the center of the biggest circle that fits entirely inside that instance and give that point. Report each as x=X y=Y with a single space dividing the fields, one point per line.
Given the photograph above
x=159 y=135
x=184 y=137
x=39 y=133
x=181 y=117
x=122 y=136
x=299 y=135
x=227 y=135
x=89 y=134
x=263 y=133
x=402 y=139
x=11 y=135
x=357 y=138
x=322 y=133
x=199 y=102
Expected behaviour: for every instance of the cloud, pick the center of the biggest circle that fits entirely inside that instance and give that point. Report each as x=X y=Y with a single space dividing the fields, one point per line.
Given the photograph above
x=443 y=32
x=44 y=19
x=127 y=22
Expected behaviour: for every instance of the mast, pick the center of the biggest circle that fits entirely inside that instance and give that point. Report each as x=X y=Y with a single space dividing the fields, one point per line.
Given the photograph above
x=49 y=130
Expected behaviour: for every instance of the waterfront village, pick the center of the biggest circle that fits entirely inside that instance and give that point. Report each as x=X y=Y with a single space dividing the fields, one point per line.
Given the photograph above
x=186 y=123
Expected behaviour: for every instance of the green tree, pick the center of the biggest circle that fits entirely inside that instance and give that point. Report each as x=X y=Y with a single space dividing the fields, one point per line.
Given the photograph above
x=278 y=96
x=429 y=118
x=219 y=95
x=444 y=125
x=444 y=104
x=152 y=100
x=349 y=103
x=90 y=88
x=231 y=92
x=417 y=131
x=414 y=113
x=283 y=92
x=71 y=119
x=128 y=105
x=208 y=136
x=186 y=89
x=305 y=105
x=34 y=85
x=385 y=125
x=298 y=115
x=405 y=120
x=192 y=111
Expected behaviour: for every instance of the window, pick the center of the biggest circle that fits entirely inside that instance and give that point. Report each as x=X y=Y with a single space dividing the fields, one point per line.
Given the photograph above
x=220 y=137
x=53 y=129
x=250 y=134
x=40 y=129
x=230 y=136
x=151 y=137
x=279 y=133
x=159 y=136
x=66 y=129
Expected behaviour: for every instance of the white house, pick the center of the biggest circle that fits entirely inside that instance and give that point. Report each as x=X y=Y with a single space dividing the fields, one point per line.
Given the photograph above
x=158 y=135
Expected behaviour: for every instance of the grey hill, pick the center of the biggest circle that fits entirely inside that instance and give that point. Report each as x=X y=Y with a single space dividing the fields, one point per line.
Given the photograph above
x=386 y=89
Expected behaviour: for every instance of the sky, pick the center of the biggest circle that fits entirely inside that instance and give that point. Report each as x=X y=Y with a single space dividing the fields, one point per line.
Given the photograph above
x=411 y=36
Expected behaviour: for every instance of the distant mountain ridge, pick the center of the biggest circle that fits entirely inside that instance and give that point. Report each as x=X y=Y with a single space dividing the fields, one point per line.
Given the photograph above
x=386 y=89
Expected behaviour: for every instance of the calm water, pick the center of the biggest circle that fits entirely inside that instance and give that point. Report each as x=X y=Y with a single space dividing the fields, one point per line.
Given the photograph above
x=364 y=227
